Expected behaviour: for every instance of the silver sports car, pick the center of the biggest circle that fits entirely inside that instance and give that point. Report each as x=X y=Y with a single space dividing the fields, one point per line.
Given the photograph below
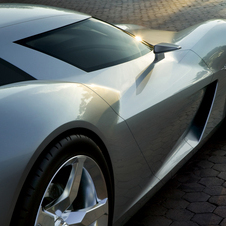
x=93 y=119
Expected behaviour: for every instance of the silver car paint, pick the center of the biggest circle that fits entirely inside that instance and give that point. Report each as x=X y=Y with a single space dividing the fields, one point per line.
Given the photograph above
x=21 y=13
x=135 y=94
x=207 y=41
x=65 y=106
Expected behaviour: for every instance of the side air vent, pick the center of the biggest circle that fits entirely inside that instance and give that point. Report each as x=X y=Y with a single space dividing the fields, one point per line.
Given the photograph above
x=199 y=122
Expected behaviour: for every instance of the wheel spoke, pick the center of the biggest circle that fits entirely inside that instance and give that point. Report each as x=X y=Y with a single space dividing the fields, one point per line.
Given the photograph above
x=45 y=218
x=87 y=216
x=70 y=192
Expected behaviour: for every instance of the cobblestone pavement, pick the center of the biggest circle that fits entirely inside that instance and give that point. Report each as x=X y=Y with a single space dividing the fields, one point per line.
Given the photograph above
x=156 y=14
x=197 y=194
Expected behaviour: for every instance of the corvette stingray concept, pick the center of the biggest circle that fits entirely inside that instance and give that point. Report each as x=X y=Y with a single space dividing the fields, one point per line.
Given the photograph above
x=94 y=117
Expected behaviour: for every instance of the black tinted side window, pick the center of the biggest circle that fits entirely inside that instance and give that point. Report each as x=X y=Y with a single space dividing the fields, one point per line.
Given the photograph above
x=11 y=74
x=89 y=45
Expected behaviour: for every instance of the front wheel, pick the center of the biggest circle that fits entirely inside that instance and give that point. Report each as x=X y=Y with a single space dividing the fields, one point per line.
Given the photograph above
x=70 y=185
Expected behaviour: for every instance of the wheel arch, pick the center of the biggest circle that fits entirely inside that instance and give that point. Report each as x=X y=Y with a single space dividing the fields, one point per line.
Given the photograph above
x=94 y=137
x=94 y=134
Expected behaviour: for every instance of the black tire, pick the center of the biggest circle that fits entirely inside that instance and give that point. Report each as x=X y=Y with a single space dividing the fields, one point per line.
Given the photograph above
x=71 y=176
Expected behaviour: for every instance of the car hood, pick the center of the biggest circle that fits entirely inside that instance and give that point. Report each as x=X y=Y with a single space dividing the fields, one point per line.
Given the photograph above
x=206 y=39
x=187 y=38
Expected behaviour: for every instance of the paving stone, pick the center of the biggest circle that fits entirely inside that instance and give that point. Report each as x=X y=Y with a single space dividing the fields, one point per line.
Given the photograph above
x=135 y=223
x=206 y=173
x=215 y=190
x=221 y=211
x=173 y=194
x=191 y=187
x=218 y=200
x=201 y=207
x=183 y=223
x=173 y=183
x=223 y=223
x=156 y=221
x=175 y=204
x=222 y=175
x=220 y=167
x=179 y=214
x=167 y=14
x=217 y=159
x=188 y=178
x=196 y=197
x=219 y=152
x=154 y=210
x=211 y=181
x=205 y=154
x=205 y=164
x=193 y=179
x=207 y=219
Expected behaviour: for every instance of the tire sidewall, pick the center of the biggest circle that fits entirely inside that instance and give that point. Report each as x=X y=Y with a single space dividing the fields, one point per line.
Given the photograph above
x=47 y=166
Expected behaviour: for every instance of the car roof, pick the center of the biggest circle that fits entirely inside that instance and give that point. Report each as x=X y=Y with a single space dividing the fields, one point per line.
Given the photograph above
x=11 y=14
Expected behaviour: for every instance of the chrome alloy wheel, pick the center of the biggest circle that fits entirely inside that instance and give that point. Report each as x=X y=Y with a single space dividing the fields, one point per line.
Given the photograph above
x=76 y=195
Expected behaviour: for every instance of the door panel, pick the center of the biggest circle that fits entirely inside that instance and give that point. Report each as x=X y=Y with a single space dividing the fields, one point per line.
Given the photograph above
x=160 y=114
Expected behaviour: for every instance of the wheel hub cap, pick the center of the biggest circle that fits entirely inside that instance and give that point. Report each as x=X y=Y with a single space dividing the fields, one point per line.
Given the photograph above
x=60 y=222
x=79 y=201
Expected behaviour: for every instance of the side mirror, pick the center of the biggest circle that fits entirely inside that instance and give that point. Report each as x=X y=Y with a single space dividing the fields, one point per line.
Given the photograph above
x=162 y=48
x=165 y=47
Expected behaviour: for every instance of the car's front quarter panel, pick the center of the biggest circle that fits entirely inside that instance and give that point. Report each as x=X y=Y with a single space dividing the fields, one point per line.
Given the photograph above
x=34 y=113
x=31 y=112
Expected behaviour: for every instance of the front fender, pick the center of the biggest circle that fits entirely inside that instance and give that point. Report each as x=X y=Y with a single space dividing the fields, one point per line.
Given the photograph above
x=34 y=113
